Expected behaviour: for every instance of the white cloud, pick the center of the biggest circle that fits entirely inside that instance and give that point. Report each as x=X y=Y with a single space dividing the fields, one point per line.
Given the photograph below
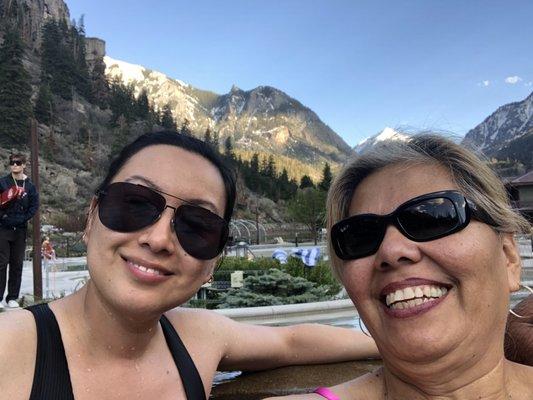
x=512 y=79
x=528 y=84
x=485 y=83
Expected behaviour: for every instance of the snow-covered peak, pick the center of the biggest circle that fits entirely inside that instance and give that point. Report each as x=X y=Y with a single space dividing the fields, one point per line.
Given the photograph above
x=389 y=134
x=385 y=134
x=129 y=72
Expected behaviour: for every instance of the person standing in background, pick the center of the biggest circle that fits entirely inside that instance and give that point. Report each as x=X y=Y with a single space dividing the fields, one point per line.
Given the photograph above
x=19 y=203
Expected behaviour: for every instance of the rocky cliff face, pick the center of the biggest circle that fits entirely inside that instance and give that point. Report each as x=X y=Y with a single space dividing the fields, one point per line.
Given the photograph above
x=30 y=16
x=263 y=119
x=507 y=124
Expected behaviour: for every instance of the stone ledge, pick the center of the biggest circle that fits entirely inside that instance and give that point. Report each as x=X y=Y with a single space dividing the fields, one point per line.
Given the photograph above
x=291 y=380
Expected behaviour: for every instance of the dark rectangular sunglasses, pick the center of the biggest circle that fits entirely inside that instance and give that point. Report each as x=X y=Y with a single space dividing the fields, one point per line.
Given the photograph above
x=129 y=207
x=16 y=162
x=424 y=218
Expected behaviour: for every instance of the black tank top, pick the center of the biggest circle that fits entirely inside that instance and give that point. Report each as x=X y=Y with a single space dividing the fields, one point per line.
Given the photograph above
x=51 y=380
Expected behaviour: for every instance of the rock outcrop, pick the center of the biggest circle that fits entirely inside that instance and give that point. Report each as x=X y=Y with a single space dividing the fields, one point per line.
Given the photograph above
x=30 y=16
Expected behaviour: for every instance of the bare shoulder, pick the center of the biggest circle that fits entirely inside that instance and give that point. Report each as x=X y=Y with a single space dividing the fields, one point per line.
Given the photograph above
x=19 y=346
x=190 y=319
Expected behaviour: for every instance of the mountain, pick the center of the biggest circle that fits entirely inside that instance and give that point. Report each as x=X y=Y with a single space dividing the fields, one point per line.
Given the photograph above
x=30 y=16
x=385 y=134
x=263 y=119
x=506 y=125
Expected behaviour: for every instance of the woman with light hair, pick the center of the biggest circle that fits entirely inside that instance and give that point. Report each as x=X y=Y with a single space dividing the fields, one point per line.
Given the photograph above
x=422 y=237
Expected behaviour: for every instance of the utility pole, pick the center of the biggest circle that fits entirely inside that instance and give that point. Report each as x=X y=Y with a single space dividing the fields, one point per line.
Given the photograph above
x=37 y=271
x=257 y=222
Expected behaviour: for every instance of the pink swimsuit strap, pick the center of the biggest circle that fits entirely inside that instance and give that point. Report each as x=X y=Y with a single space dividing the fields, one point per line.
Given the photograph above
x=326 y=393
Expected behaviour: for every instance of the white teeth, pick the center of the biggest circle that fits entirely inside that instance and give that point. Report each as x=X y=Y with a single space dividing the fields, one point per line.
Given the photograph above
x=147 y=270
x=408 y=293
x=414 y=296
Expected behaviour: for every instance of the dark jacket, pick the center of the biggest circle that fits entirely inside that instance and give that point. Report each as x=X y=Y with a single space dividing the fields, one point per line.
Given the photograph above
x=17 y=214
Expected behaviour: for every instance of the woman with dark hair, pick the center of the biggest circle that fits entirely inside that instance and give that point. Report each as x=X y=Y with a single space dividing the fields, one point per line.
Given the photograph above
x=422 y=237
x=156 y=228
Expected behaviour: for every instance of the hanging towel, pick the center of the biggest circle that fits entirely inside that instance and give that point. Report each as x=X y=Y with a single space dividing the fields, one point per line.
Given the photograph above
x=309 y=256
x=280 y=255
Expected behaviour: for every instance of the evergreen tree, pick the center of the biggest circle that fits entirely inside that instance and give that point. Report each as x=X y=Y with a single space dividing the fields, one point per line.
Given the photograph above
x=253 y=176
x=15 y=92
x=99 y=84
x=216 y=141
x=121 y=102
x=185 y=127
x=167 y=120
x=228 y=148
x=57 y=60
x=63 y=60
x=306 y=182
x=44 y=105
x=207 y=137
x=271 y=167
x=120 y=135
x=327 y=177
x=82 y=78
x=142 y=105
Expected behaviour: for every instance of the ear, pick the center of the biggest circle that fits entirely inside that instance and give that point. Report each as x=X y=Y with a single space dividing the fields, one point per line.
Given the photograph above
x=215 y=264
x=513 y=262
x=91 y=215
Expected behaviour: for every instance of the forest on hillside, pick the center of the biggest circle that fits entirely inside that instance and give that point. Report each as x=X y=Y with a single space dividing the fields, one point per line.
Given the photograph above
x=66 y=81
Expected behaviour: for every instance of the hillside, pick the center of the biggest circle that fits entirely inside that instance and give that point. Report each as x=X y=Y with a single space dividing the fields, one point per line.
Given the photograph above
x=89 y=105
x=506 y=134
x=264 y=119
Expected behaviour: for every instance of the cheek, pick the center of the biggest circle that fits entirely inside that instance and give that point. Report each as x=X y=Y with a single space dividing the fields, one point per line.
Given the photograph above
x=356 y=278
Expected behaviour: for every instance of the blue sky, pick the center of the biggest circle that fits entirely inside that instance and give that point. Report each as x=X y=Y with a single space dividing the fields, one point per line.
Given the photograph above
x=360 y=65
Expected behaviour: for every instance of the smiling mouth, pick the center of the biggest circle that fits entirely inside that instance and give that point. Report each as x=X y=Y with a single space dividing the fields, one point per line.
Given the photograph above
x=147 y=270
x=414 y=296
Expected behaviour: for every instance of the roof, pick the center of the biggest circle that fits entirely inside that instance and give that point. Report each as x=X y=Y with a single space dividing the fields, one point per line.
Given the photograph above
x=526 y=179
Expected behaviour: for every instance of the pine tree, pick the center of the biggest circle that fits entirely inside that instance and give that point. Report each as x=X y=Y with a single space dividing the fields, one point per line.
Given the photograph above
x=99 y=84
x=327 y=177
x=216 y=141
x=306 y=182
x=15 y=92
x=271 y=167
x=185 y=127
x=207 y=137
x=121 y=102
x=44 y=105
x=120 y=135
x=228 y=148
x=167 y=120
x=57 y=59
x=142 y=105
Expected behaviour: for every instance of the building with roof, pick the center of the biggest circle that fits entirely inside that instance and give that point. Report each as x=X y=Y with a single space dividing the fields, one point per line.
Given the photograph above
x=521 y=192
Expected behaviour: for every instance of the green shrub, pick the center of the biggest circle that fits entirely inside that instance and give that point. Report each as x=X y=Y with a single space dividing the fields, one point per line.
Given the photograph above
x=274 y=287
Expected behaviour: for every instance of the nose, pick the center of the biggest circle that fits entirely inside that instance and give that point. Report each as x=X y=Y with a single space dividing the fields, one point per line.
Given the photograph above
x=160 y=236
x=396 y=250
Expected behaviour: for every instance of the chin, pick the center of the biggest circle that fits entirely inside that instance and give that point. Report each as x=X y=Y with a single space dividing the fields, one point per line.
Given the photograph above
x=422 y=347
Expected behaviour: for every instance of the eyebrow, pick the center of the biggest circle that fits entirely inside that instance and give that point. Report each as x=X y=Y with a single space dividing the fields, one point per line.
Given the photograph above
x=147 y=182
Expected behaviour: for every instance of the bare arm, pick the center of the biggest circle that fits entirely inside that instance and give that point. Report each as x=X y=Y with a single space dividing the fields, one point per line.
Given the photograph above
x=17 y=351
x=258 y=347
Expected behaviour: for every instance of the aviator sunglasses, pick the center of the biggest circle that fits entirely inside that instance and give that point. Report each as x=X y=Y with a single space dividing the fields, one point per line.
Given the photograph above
x=129 y=207
x=16 y=162
x=421 y=219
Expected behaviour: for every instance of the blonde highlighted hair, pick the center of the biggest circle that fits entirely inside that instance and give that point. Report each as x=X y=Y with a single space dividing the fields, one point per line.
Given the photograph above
x=471 y=175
